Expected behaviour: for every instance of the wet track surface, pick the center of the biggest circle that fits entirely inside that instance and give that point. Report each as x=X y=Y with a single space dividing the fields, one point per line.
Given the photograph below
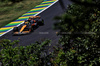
x=43 y=32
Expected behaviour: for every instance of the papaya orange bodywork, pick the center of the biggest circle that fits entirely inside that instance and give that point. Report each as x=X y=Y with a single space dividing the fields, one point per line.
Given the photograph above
x=24 y=32
x=33 y=24
x=22 y=28
x=36 y=17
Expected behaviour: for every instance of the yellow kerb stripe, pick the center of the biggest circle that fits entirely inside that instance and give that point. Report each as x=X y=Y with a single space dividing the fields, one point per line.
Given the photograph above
x=30 y=13
x=16 y=22
x=37 y=8
x=53 y=0
x=2 y=32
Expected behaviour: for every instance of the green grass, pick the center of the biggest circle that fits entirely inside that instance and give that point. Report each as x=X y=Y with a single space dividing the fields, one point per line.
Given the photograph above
x=11 y=11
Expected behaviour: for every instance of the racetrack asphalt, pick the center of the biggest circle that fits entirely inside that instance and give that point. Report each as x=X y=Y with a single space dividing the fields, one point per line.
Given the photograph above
x=43 y=32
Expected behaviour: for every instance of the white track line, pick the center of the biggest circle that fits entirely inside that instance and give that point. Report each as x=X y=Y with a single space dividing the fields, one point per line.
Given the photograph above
x=33 y=15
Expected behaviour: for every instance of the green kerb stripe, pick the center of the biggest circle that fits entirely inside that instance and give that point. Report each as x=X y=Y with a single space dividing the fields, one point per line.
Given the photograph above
x=12 y=24
x=34 y=10
x=43 y=5
x=47 y=2
x=22 y=18
x=31 y=13
x=27 y=14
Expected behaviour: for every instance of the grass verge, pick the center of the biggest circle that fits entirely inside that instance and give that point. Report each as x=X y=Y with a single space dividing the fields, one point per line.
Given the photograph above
x=11 y=11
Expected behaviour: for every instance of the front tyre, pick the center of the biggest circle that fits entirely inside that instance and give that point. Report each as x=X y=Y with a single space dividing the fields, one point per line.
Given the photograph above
x=15 y=29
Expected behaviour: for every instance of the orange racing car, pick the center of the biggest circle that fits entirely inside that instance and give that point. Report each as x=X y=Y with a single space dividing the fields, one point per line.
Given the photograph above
x=29 y=25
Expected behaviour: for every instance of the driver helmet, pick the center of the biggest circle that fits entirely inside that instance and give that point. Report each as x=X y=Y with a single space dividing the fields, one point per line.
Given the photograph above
x=26 y=22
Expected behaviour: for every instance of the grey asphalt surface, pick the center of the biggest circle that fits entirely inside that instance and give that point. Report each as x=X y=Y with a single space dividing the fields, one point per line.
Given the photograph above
x=43 y=32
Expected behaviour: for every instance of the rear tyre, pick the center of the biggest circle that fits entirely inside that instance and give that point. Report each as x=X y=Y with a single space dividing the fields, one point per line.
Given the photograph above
x=35 y=26
x=40 y=22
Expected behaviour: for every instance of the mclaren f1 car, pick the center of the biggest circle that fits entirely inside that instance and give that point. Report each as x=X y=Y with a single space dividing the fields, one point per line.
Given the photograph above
x=28 y=26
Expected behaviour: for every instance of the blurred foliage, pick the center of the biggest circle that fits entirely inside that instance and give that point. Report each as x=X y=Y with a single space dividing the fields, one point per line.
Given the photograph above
x=79 y=43
x=9 y=9
x=88 y=3
x=80 y=31
x=31 y=55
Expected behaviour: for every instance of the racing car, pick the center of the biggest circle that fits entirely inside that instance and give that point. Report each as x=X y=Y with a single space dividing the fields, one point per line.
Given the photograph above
x=29 y=25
